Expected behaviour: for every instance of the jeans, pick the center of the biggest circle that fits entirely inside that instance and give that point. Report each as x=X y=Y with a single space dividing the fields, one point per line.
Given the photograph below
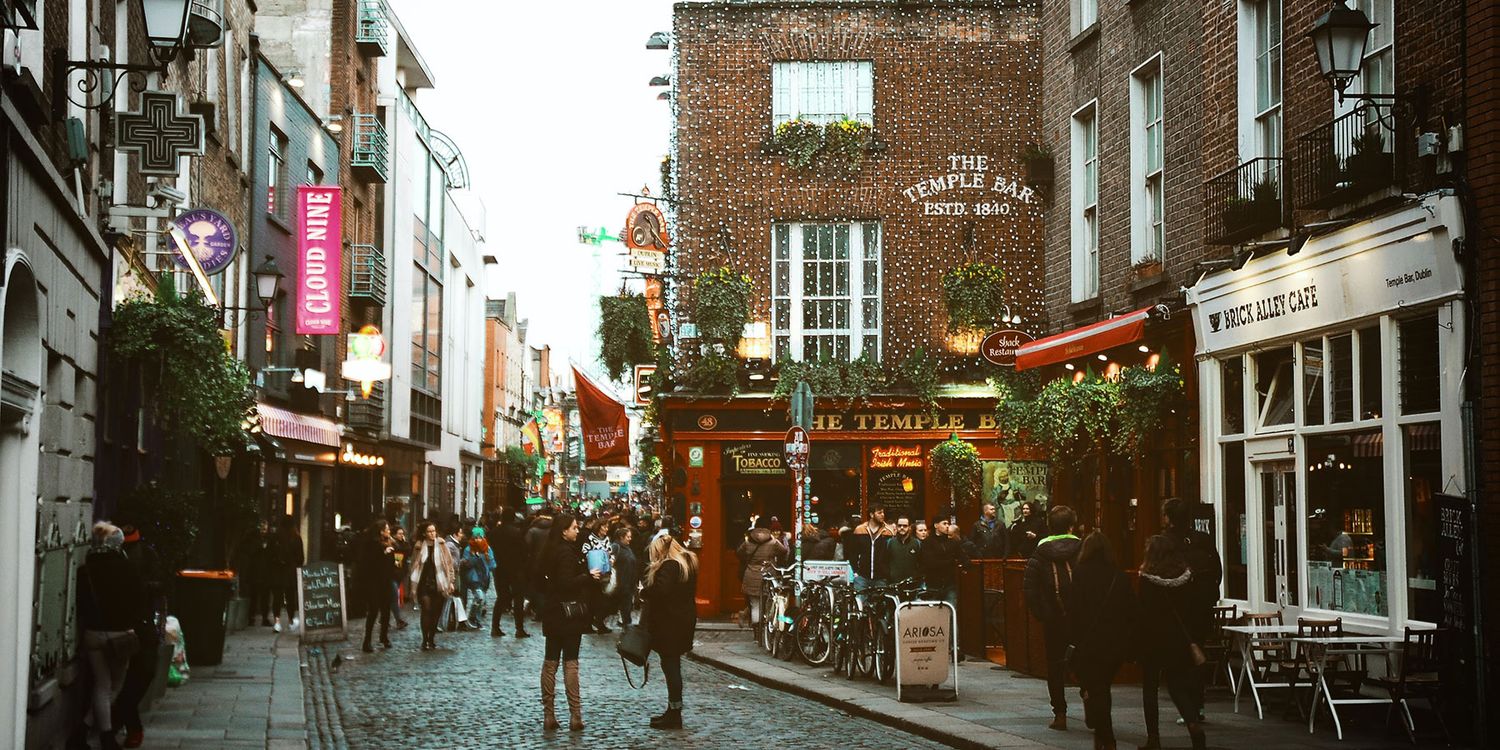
x=1057 y=667
x=1183 y=685
x=108 y=669
x=563 y=647
x=1095 y=681
x=396 y=601
x=671 y=668
x=138 y=678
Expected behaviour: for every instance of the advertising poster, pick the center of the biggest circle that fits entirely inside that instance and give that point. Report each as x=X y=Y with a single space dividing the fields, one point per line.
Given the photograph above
x=1009 y=483
x=895 y=474
x=319 y=259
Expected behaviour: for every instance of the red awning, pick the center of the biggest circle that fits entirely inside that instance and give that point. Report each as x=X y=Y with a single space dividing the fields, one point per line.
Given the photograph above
x=283 y=423
x=1081 y=342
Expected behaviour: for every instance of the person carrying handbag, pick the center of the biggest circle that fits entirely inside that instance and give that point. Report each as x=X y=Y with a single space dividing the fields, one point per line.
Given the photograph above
x=434 y=576
x=671 y=616
x=1167 y=602
x=111 y=601
x=567 y=585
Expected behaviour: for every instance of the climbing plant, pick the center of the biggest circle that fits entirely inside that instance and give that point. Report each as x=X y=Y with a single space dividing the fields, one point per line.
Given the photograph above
x=624 y=333
x=1148 y=399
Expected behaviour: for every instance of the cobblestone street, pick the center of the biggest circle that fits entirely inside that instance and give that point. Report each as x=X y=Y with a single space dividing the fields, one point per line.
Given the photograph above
x=481 y=692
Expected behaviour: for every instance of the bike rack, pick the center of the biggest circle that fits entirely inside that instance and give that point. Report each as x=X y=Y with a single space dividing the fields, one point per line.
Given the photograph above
x=927 y=642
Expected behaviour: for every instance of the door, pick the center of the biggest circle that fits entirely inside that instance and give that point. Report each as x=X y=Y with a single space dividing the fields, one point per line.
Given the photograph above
x=1281 y=561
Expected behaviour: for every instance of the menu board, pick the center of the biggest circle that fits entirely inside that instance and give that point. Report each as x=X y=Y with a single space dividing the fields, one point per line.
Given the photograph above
x=320 y=598
x=899 y=490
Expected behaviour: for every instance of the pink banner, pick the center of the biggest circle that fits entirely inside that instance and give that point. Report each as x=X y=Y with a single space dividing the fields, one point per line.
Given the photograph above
x=319 y=258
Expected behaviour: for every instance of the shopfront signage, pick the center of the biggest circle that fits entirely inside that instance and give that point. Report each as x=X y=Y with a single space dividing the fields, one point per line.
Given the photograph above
x=366 y=363
x=645 y=238
x=751 y=460
x=161 y=133
x=320 y=600
x=211 y=237
x=873 y=420
x=923 y=651
x=319 y=259
x=899 y=490
x=695 y=457
x=897 y=457
x=1340 y=281
x=999 y=348
x=965 y=186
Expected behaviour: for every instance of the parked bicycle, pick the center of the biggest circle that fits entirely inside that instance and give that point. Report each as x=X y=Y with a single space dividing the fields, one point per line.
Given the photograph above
x=814 y=626
x=777 y=610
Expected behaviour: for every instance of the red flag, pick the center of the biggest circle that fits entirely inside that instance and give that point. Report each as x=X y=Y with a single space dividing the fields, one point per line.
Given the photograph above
x=606 y=429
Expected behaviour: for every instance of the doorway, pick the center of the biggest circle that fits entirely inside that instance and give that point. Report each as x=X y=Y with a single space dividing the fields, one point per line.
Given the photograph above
x=744 y=501
x=21 y=359
x=1281 y=561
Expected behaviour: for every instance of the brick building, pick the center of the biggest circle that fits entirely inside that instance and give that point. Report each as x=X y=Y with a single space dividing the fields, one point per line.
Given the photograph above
x=844 y=261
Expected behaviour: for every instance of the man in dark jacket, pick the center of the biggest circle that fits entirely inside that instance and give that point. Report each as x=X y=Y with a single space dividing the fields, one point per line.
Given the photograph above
x=1048 y=579
x=865 y=548
x=374 y=556
x=988 y=534
x=142 y=669
x=1208 y=571
x=902 y=552
x=939 y=558
x=512 y=563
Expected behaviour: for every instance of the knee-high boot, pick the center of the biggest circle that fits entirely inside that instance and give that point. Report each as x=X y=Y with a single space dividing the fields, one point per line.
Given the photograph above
x=549 y=694
x=575 y=700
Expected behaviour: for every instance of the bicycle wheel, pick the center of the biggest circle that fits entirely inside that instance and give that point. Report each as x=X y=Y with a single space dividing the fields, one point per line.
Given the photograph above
x=865 y=657
x=812 y=636
x=885 y=651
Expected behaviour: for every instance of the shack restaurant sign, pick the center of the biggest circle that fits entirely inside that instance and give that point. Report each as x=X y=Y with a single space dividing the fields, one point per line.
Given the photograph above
x=966 y=187
x=319 y=258
x=1000 y=347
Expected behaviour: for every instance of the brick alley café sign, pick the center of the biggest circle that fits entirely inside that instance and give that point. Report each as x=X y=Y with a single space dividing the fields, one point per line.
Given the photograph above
x=861 y=420
x=965 y=186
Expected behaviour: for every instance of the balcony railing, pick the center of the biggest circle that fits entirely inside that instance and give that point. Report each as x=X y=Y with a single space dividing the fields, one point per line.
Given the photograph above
x=371 y=35
x=1343 y=161
x=1244 y=202
x=371 y=152
x=368 y=414
x=367 y=274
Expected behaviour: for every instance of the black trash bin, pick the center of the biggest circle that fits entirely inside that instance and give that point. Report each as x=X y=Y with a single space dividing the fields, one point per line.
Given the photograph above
x=202 y=609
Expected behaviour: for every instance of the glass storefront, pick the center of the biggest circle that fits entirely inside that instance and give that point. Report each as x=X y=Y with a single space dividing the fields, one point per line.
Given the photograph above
x=1346 y=565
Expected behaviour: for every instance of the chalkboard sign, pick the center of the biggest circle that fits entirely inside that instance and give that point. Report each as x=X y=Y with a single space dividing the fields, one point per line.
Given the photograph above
x=1455 y=587
x=320 y=598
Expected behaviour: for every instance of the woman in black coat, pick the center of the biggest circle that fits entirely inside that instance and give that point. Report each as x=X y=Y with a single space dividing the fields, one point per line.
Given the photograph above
x=564 y=577
x=1167 y=605
x=671 y=616
x=1101 y=618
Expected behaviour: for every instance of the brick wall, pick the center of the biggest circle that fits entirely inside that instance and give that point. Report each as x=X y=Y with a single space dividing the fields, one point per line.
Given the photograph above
x=951 y=79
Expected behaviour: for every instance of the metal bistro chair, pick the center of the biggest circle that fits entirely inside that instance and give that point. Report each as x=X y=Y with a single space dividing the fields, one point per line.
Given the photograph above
x=1418 y=678
x=1218 y=648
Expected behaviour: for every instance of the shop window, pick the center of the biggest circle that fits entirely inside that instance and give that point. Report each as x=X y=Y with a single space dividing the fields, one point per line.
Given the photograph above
x=1236 y=533
x=1273 y=387
x=1424 y=481
x=1420 y=373
x=823 y=92
x=1232 y=373
x=1341 y=376
x=1369 y=374
x=1312 y=382
x=1346 y=555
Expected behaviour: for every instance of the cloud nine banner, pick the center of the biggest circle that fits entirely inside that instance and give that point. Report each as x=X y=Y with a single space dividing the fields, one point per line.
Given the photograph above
x=319 y=258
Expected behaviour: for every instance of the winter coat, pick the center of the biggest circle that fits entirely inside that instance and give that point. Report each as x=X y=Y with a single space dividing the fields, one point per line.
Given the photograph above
x=477 y=568
x=671 y=613
x=1101 y=617
x=372 y=564
x=1208 y=570
x=988 y=538
x=902 y=558
x=259 y=549
x=1021 y=545
x=1051 y=568
x=758 y=553
x=447 y=567
x=286 y=555
x=939 y=559
x=1166 y=608
x=865 y=554
x=536 y=539
x=512 y=556
x=110 y=594
x=563 y=577
x=627 y=572
x=818 y=546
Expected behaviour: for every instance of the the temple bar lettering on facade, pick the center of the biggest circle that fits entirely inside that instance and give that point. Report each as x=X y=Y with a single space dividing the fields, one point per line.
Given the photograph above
x=857 y=421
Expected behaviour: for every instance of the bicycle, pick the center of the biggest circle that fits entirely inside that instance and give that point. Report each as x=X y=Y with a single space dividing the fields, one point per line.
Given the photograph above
x=814 y=625
x=778 y=591
x=886 y=599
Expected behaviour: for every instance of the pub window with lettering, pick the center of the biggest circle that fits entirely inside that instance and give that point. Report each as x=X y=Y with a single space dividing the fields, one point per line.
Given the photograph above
x=823 y=91
x=826 y=291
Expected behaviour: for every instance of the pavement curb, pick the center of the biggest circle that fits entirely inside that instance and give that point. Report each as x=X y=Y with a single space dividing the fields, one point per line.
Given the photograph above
x=911 y=726
x=322 y=707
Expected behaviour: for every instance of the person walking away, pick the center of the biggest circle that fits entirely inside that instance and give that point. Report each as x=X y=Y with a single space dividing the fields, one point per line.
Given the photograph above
x=565 y=580
x=433 y=576
x=939 y=559
x=757 y=553
x=1048 y=577
x=902 y=552
x=1101 y=622
x=374 y=558
x=627 y=573
x=1028 y=529
x=111 y=603
x=286 y=558
x=866 y=550
x=536 y=539
x=400 y=551
x=478 y=564
x=671 y=616
x=988 y=534
x=1168 y=603
x=1203 y=560
x=142 y=668
x=258 y=574
x=511 y=565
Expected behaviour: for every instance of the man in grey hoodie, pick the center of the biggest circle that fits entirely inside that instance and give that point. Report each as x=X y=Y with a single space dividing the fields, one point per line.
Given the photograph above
x=1048 y=578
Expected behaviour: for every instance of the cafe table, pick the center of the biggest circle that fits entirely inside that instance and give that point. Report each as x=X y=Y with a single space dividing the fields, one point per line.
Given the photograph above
x=1322 y=651
x=1250 y=638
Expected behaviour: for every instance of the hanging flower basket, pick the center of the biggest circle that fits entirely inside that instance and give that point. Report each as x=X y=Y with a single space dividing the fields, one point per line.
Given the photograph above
x=975 y=296
x=955 y=465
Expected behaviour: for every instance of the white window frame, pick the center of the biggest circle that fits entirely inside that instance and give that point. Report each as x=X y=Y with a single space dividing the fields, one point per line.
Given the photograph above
x=845 y=89
x=1261 y=123
x=792 y=295
x=1085 y=13
x=1378 y=70
x=1084 y=185
x=1147 y=177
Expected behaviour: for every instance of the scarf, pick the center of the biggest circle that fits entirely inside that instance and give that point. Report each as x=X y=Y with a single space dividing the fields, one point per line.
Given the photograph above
x=443 y=566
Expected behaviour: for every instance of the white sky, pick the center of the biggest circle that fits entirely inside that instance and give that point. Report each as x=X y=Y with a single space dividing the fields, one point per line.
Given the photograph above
x=550 y=105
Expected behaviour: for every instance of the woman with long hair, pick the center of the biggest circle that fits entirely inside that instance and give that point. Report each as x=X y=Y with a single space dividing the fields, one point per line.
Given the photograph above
x=1101 y=618
x=671 y=616
x=434 y=576
x=567 y=585
x=1167 y=603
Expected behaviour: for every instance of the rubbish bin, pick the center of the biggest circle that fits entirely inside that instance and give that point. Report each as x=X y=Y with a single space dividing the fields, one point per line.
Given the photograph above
x=202 y=608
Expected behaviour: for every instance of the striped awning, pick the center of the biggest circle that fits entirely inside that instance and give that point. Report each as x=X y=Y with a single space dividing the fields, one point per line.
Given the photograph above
x=284 y=423
x=1081 y=342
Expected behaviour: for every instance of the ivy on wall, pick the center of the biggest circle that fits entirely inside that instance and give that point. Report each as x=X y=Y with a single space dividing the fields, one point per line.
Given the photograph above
x=624 y=333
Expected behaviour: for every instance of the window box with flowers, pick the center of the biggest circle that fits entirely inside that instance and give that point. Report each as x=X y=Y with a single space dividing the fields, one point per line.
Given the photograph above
x=841 y=146
x=1147 y=268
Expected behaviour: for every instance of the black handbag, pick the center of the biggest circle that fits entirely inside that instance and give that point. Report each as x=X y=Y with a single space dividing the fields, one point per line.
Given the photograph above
x=574 y=613
x=634 y=646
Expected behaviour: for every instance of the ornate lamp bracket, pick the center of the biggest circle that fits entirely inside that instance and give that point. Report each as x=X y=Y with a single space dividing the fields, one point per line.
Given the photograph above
x=100 y=78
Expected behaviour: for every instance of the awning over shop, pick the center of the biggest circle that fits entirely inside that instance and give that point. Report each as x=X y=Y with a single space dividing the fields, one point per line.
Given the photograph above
x=1081 y=342
x=293 y=426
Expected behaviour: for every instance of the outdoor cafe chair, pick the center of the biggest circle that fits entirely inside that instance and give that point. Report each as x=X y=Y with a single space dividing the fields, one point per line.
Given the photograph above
x=1417 y=678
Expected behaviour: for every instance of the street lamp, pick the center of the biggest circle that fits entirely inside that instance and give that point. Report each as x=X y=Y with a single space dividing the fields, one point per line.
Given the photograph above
x=166 y=30
x=267 y=281
x=166 y=26
x=1340 y=36
x=658 y=40
x=661 y=81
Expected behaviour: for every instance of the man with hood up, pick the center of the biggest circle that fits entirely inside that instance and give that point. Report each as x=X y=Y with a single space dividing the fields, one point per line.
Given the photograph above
x=1048 y=579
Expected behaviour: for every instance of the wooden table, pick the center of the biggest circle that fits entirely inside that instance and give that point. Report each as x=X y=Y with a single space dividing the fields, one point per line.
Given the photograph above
x=1249 y=637
x=1320 y=651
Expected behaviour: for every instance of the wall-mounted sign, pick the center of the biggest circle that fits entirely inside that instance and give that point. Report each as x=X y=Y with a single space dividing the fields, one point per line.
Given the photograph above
x=695 y=457
x=645 y=238
x=797 y=449
x=366 y=363
x=754 y=460
x=661 y=321
x=160 y=134
x=966 y=187
x=899 y=490
x=872 y=420
x=1000 y=347
x=211 y=237
x=897 y=457
x=643 y=376
x=319 y=258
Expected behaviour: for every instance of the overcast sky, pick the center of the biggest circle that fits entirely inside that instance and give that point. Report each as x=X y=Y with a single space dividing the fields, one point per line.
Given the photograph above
x=550 y=105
